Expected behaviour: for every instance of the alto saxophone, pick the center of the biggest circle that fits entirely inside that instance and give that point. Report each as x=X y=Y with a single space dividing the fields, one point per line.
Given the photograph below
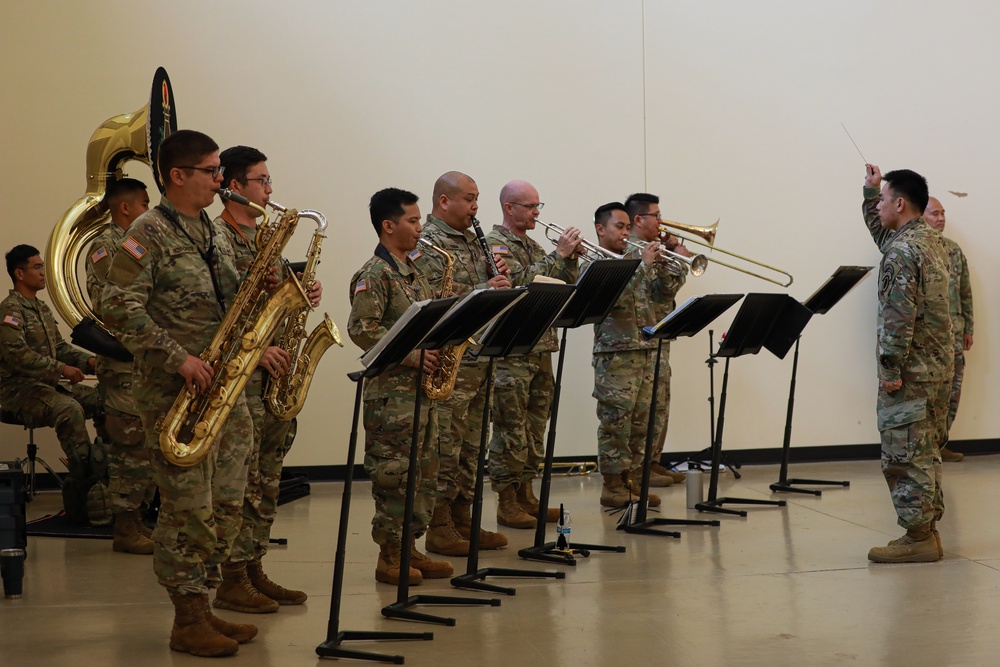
x=439 y=384
x=287 y=394
x=189 y=429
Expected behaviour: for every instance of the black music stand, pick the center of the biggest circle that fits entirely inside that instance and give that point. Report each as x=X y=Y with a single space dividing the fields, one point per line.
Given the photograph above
x=516 y=332
x=693 y=316
x=597 y=291
x=423 y=316
x=771 y=320
x=474 y=312
x=826 y=297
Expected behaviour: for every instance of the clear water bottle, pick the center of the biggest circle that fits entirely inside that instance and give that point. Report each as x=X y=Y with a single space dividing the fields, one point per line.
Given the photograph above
x=563 y=528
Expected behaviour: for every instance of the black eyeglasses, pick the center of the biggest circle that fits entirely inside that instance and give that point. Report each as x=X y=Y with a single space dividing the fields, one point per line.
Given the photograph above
x=539 y=205
x=654 y=215
x=214 y=171
x=264 y=180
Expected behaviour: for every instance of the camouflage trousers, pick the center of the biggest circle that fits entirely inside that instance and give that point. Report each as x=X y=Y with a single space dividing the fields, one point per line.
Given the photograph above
x=460 y=426
x=623 y=387
x=200 y=505
x=272 y=439
x=65 y=408
x=912 y=422
x=662 y=404
x=956 y=381
x=388 y=437
x=522 y=401
x=130 y=461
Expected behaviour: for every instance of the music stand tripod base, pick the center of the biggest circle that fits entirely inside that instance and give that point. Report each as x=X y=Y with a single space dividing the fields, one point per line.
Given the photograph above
x=332 y=649
x=787 y=485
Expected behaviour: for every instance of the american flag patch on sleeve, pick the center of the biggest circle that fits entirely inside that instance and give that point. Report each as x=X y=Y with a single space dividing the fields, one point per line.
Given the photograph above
x=360 y=287
x=134 y=248
x=98 y=255
x=415 y=255
x=11 y=320
x=500 y=250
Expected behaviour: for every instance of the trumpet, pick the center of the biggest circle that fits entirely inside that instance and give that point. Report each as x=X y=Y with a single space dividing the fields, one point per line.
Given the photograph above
x=591 y=251
x=668 y=227
x=677 y=262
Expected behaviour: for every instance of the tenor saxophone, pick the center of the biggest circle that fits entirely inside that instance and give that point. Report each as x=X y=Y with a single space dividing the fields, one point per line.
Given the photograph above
x=189 y=429
x=439 y=384
x=287 y=394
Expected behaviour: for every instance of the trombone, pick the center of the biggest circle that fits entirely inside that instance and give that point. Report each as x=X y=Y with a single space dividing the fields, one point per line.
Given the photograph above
x=591 y=252
x=668 y=227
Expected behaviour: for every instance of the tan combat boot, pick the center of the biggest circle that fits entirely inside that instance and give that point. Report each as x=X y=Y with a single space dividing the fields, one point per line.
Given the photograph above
x=662 y=471
x=951 y=455
x=280 y=594
x=461 y=515
x=509 y=512
x=238 y=594
x=919 y=545
x=430 y=569
x=633 y=480
x=614 y=493
x=128 y=537
x=937 y=538
x=387 y=568
x=241 y=633
x=529 y=503
x=193 y=633
x=442 y=537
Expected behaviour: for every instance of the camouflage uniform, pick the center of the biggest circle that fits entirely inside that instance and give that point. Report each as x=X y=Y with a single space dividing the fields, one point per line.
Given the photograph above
x=460 y=416
x=915 y=345
x=32 y=354
x=623 y=368
x=523 y=384
x=272 y=436
x=662 y=305
x=130 y=475
x=380 y=293
x=161 y=297
x=960 y=298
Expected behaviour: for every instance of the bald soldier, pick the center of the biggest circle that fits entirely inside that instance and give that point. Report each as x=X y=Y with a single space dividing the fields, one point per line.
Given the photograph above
x=960 y=299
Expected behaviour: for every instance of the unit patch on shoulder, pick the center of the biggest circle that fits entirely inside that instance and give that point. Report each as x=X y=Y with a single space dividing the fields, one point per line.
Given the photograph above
x=415 y=255
x=98 y=255
x=12 y=321
x=500 y=250
x=134 y=248
x=360 y=287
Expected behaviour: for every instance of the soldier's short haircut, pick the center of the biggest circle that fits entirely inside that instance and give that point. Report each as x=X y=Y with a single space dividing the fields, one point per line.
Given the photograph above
x=639 y=203
x=909 y=185
x=183 y=148
x=18 y=257
x=388 y=204
x=120 y=189
x=603 y=213
x=238 y=160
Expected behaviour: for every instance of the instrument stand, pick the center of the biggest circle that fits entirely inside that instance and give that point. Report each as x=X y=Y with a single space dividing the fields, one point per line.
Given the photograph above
x=773 y=321
x=597 y=290
x=516 y=332
x=843 y=280
x=693 y=316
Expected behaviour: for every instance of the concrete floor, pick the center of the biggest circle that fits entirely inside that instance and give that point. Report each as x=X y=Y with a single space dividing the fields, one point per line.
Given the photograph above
x=784 y=586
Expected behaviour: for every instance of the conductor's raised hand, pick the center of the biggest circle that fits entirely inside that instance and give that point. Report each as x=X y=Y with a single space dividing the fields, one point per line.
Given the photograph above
x=873 y=176
x=196 y=373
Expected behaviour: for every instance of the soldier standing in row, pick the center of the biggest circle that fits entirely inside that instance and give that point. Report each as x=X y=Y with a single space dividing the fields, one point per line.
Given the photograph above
x=915 y=351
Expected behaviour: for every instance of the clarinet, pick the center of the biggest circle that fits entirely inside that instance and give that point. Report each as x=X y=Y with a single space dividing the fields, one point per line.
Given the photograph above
x=491 y=264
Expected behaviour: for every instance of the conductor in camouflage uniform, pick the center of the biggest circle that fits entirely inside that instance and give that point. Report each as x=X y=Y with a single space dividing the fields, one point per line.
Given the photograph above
x=169 y=287
x=460 y=416
x=960 y=298
x=915 y=349
x=34 y=359
x=644 y=214
x=381 y=292
x=624 y=361
x=130 y=477
x=523 y=385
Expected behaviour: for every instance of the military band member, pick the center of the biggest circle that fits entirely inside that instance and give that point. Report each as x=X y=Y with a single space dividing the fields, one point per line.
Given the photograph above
x=644 y=213
x=624 y=361
x=130 y=476
x=523 y=385
x=34 y=360
x=915 y=358
x=960 y=298
x=380 y=292
x=460 y=416
x=169 y=287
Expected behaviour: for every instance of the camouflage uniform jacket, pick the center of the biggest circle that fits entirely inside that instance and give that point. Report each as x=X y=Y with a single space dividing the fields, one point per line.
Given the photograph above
x=161 y=295
x=636 y=308
x=99 y=256
x=915 y=341
x=32 y=351
x=380 y=292
x=471 y=271
x=959 y=292
x=526 y=259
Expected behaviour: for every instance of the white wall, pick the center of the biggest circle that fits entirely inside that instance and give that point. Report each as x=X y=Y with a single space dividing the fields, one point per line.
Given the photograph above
x=727 y=110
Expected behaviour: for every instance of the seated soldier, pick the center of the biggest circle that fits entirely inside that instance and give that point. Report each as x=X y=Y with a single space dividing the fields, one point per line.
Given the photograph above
x=34 y=359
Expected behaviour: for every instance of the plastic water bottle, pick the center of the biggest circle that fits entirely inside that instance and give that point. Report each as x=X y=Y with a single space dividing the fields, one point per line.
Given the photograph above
x=563 y=529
